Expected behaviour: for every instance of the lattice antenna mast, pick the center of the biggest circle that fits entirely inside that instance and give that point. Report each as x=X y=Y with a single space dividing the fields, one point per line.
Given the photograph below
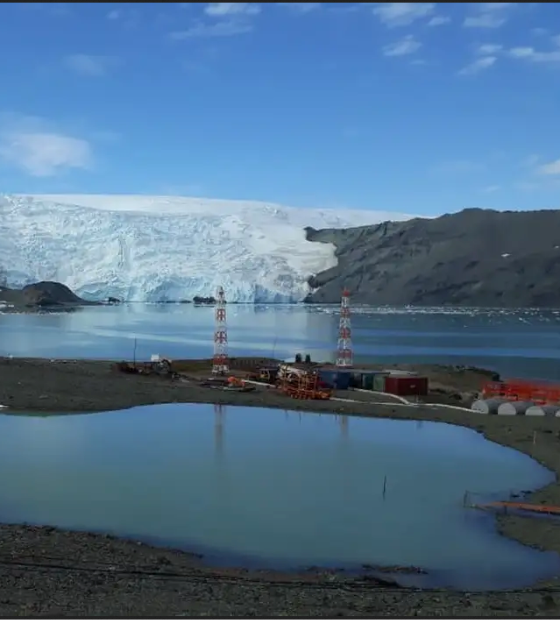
x=344 y=354
x=221 y=361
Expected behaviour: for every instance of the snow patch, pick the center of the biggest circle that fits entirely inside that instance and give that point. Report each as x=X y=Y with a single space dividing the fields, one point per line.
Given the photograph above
x=166 y=248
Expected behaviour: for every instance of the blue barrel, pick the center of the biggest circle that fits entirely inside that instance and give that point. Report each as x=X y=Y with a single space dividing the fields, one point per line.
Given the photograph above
x=336 y=379
x=343 y=380
x=328 y=377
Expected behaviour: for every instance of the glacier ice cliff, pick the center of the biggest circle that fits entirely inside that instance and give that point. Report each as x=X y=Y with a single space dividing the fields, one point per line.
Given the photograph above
x=150 y=248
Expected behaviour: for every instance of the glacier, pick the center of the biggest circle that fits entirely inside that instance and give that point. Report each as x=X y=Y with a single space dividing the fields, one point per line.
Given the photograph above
x=167 y=248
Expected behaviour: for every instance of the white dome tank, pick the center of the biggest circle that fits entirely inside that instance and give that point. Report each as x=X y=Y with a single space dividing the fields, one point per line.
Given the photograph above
x=515 y=407
x=550 y=411
x=488 y=405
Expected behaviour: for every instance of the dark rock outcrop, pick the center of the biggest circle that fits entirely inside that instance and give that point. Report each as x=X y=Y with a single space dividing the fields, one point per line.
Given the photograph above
x=43 y=295
x=476 y=257
x=204 y=300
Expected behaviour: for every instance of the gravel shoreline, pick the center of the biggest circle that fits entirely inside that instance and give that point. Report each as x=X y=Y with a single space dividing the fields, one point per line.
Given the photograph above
x=47 y=571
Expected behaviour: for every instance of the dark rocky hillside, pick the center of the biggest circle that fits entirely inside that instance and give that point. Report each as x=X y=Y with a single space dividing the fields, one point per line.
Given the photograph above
x=473 y=258
x=42 y=295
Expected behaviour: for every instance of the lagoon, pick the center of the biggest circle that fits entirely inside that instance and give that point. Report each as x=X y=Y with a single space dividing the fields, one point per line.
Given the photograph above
x=270 y=488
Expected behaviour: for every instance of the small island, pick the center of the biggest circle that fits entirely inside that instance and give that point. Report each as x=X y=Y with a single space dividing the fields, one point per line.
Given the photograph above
x=42 y=296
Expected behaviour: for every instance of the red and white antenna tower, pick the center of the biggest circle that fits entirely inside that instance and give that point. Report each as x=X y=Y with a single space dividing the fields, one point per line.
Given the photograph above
x=221 y=362
x=344 y=354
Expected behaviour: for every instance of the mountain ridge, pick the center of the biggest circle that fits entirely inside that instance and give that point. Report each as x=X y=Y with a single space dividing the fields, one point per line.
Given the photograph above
x=477 y=257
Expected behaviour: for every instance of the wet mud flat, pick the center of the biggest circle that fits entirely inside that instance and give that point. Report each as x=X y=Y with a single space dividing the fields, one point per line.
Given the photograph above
x=117 y=577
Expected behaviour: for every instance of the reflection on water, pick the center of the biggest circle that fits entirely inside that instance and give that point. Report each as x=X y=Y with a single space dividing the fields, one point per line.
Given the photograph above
x=273 y=488
x=177 y=331
x=219 y=411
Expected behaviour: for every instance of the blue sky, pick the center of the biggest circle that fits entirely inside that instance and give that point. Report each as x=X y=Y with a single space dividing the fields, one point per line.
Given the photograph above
x=422 y=108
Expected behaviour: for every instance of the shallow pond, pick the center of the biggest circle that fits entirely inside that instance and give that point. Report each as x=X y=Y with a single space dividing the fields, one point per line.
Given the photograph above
x=273 y=488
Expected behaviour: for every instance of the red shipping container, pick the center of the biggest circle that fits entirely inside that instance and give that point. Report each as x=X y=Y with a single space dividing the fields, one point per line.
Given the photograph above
x=406 y=386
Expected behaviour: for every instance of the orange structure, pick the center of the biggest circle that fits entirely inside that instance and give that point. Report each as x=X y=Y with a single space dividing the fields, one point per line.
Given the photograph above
x=236 y=382
x=304 y=386
x=537 y=508
x=539 y=392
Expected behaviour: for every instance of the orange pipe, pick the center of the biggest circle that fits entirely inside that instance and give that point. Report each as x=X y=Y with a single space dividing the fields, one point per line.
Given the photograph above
x=522 y=506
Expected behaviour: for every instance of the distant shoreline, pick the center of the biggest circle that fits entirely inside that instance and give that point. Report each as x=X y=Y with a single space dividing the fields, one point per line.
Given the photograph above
x=74 y=386
x=52 y=296
x=62 y=308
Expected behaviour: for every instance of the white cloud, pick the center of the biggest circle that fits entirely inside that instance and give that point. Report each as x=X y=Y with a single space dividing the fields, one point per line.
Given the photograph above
x=300 y=7
x=490 y=189
x=42 y=153
x=403 y=47
x=478 y=65
x=489 y=49
x=551 y=169
x=533 y=55
x=488 y=14
x=232 y=18
x=228 y=28
x=394 y=14
x=224 y=9
x=439 y=20
x=92 y=66
x=486 y=20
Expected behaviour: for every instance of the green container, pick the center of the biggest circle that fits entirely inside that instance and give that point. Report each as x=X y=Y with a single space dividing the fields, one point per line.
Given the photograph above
x=379 y=382
x=367 y=380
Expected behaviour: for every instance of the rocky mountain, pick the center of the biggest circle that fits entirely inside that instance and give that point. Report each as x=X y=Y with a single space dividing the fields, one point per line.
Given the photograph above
x=477 y=257
x=42 y=295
